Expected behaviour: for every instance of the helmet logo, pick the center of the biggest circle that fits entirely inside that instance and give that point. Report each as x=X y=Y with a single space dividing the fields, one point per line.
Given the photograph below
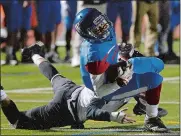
x=100 y=27
x=98 y=19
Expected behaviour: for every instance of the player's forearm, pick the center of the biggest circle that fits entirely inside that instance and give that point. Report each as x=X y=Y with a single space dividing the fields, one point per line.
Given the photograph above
x=94 y=111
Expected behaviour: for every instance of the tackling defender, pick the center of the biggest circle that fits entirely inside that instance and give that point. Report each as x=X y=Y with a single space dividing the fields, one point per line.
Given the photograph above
x=71 y=105
x=99 y=53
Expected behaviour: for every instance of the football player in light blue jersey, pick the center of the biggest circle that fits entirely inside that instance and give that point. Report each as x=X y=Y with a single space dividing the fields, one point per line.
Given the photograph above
x=100 y=67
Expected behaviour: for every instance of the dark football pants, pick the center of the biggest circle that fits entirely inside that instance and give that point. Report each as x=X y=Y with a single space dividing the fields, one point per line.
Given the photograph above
x=164 y=18
x=55 y=113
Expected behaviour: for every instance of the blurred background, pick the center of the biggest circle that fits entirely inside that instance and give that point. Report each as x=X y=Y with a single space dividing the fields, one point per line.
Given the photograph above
x=152 y=26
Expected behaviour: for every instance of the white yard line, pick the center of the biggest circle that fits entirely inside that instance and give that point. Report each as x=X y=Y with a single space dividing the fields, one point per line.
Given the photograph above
x=171 y=78
x=31 y=90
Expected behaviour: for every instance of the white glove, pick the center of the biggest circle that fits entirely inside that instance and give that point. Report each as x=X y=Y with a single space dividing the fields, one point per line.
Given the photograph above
x=126 y=72
x=121 y=117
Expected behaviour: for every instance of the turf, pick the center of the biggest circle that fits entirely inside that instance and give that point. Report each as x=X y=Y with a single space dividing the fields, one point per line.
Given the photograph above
x=28 y=76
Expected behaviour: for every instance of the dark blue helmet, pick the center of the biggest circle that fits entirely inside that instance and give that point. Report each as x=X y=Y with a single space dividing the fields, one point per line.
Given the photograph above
x=91 y=24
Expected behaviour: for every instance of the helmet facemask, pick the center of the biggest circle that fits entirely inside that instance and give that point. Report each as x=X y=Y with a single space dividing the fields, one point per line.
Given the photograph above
x=100 y=28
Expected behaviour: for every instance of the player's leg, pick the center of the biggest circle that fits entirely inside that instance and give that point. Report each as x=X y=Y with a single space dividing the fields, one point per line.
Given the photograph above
x=141 y=10
x=54 y=114
x=174 y=21
x=9 y=108
x=60 y=84
x=43 y=11
x=139 y=83
x=53 y=19
x=140 y=107
x=58 y=22
x=126 y=15
x=112 y=11
x=26 y=23
x=75 y=62
x=68 y=37
x=25 y=26
x=152 y=121
x=164 y=11
x=11 y=10
x=55 y=29
x=151 y=40
x=71 y=11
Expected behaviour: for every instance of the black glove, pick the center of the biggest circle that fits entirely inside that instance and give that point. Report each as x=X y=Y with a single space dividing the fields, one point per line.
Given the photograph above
x=37 y=48
x=127 y=51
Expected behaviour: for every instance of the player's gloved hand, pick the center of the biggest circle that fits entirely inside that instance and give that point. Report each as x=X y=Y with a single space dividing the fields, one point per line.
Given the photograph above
x=125 y=72
x=126 y=50
x=121 y=117
x=37 y=48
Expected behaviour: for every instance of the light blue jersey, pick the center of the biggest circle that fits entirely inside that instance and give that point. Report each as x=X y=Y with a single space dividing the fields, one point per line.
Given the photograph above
x=100 y=51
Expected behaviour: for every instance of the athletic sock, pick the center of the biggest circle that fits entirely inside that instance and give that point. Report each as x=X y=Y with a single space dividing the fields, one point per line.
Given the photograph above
x=37 y=59
x=151 y=111
x=152 y=99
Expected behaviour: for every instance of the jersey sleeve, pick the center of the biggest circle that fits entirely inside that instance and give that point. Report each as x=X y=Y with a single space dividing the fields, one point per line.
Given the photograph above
x=97 y=67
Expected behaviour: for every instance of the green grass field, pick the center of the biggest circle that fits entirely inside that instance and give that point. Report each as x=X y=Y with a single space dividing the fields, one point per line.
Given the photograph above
x=19 y=80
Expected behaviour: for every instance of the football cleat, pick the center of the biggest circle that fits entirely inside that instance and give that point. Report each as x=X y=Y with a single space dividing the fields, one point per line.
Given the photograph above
x=36 y=48
x=155 y=125
x=11 y=58
x=140 y=109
